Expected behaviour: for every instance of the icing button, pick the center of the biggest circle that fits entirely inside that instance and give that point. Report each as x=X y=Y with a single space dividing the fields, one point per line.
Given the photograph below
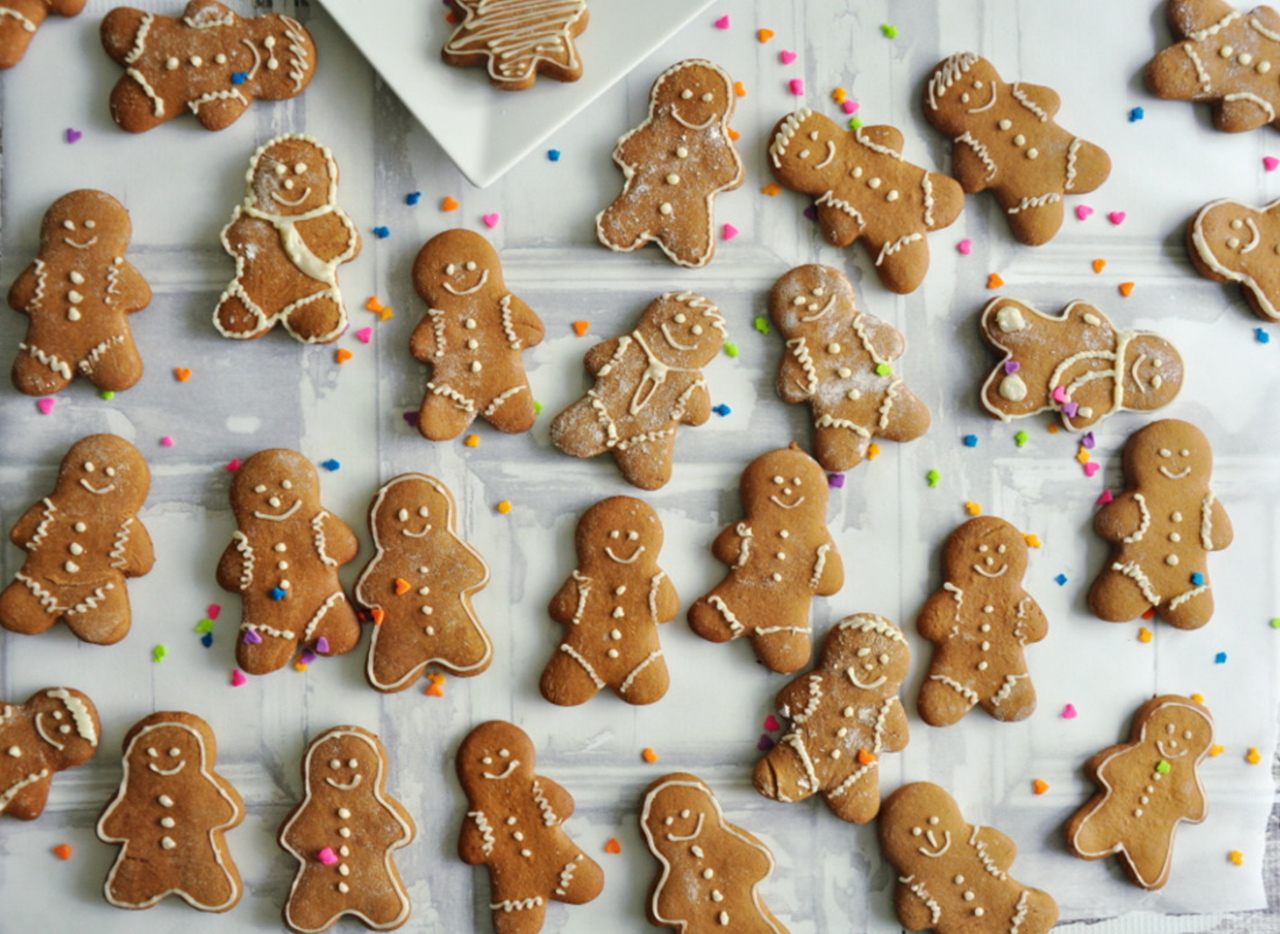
x=665 y=208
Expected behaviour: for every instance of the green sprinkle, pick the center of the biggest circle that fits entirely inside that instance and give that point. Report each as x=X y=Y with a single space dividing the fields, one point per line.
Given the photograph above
x=107 y=394
x=159 y=652
x=890 y=32
x=855 y=123
x=205 y=625
x=762 y=324
x=537 y=407
x=883 y=369
x=1021 y=439
x=1275 y=623
x=934 y=478
x=731 y=349
x=1164 y=768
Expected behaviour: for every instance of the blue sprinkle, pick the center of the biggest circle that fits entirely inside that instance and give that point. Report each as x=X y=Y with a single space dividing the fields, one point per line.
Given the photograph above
x=382 y=232
x=278 y=593
x=207 y=640
x=413 y=197
x=722 y=410
x=553 y=155
x=1261 y=335
x=1061 y=579
x=1198 y=579
x=240 y=77
x=971 y=441
x=1136 y=114
x=1220 y=658
x=331 y=464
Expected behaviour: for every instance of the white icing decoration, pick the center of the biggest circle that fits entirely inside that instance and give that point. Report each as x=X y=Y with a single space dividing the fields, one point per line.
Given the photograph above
x=518 y=35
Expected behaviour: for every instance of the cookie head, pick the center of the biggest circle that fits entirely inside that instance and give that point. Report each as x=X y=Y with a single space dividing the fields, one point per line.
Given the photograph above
x=104 y=472
x=166 y=745
x=411 y=507
x=67 y=722
x=494 y=754
x=344 y=761
x=1178 y=729
x=274 y=486
x=1153 y=371
x=787 y=485
x=683 y=329
x=287 y=51
x=677 y=812
x=292 y=175
x=622 y=531
x=962 y=85
x=873 y=651
x=1230 y=233
x=986 y=549
x=86 y=223
x=805 y=151
x=808 y=299
x=1169 y=455
x=457 y=265
x=696 y=94
x=920 y=828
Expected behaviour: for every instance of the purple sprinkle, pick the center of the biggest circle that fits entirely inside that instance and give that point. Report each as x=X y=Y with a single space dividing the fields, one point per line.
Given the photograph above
x=411 y=418
x=322 y=645
x=1088 y=440
x=766 y=742
x=1012 y=366
x=1071 y=408
x=835 y=481
x=811 y=212
x=251 y=638
x=307 y=658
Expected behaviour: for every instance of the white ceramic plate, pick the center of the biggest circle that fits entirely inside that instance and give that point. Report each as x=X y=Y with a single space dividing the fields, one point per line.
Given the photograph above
x=483 y=130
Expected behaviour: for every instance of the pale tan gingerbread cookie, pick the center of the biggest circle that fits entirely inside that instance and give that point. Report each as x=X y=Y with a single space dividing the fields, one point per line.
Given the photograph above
x=864 y=190
x=19 y=20
x=844 y=715
x=675 y=164
x=1233 y=242
x=517 y=40
x=841 y=361
x=648 y=384
x=55 y=729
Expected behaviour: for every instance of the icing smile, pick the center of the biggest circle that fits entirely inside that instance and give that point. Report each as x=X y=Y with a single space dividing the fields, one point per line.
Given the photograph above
x=831 y=155
x=936 y=851
x=674 y=343
x=676 y=838
x=820 y=314
x=1164 y=470
x=173 y=771
x=425 y=529
x=868 y=685
x=277 y=518
x=484 y=277
x=347 y=786
x=989 y=104
x=780 y=503
x=80 y=246
x=675 y=115
x=276 y=196
x=511 y=767
x=45 y=736
x=1170 y=755
x=100 y=491
x=985 y=573
x=635 y=554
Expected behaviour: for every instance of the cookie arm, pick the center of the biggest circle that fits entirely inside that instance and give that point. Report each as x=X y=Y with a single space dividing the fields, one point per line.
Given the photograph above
x=340 y=543
x=793 y=377
x=840 y=225
x=897 y=732
x=24 y=289
x=697 y=408
x=912 y=910
x=828 y=569
x=1119 y=519
x=139 y=553
x=1218 y=527
x=134 y=289
x=1035 y=625
x=1000 y=848
x=26 y=528
x=526 y=324
x=937 y=617
x=422 y=344
x=235 y=567
x=792 y=699
x=885 y=341
x=727 y=548
x=630 y=150
x=667 y=600
x=600 y=355
x=564 y=605
x=1046 y=99
x=472 y=840
x=559 y=800
x=330 y=236
x=113 y=826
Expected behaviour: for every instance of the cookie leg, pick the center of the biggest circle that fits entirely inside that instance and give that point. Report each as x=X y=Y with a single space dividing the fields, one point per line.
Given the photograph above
x=21 y=610
x=398 y=653
x=1015 y=700
x=103 y=617
x=578 y=431
x=839 y=449
x=647 y=466
x=713 y=619
x=443 y=418
x=117 y=368
x=311 y=906
x=207 y=885
x=647 y=682
x=269 y=654
x=336 y=622
x=1035 y=224
x=624 y=226
x=133 y=882
x=1117 y=598
x=384 y=904
x=1190 y=613
x=785 y=650
x=36 y=378
x=1042 y=913
x=569 y=678
x=524 y=916
x=318 y=318
x=687 y=239
x=238 y=317
x=859 y=803
x=901 y=264
x=513 y=410
x=944 y=701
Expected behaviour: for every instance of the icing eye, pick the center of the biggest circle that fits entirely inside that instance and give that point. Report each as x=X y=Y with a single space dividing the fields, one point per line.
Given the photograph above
x=1170 y=728
x=175 y=751
x=685 y=813
x=615 y=534
x=680 y=318
x=487 y=760
x=88 y=467
x=1165 y=452
x=696 y=329
x=335 y=763
x=260 y=488
x=1185 y=452
x=916 y=831
x=110 y=471
x=1188 y=734
x=795 y=481
x=964 y=98
x=352 y=763
x=1002 y=549
x=983 y=549
x=69 y=224
x=90 y=225
x=286 y=484
x=471 y=266
x=863 y=652
x=450 y=269
x=152 y=752
x=288 y=184
x=403 y=515
x=669 y=821
x=424 y=511
x=814 y=136
x=884 y=659
x=977 y=85
x=57 y=715
x=686 y=94
x=281 y=168
x=505 y=753
x=777 y=479
x=706 y=98
x=934 y=821
x=798 y=300
x=633 y=536
x=819 y=291
x=299 y=168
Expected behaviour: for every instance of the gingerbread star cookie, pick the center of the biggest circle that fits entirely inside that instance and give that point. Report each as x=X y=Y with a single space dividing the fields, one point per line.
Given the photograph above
x=517 y=40
x=1233 y=242
x=865 y=190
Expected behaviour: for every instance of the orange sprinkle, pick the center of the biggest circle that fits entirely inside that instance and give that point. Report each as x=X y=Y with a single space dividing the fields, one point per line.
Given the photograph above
x=1145 y=634
x=1198 y=698
x=401 y=586
x=1082 y=455
x=299 y=666
x=62 y=851
x=1053 y=428
x=504 y=507
x=436 y=687
x=448 y=204
x=1150 y=613
x=378 y=615
x=373 y=304
x=764 y=35
x=1126 y=289
x=839 y=95
x=580 y=328
x=739 y=89
x=1033 y=541
x=386 y=314
x=613 y=846
x=1099 y=265
x=1236 y=857
x=472 y=441
x=1039 y=786
x=873 y=451
x=734 y=134
x=771 y=190
x=866 y=756
x=649 y=755
x=343 y=355
x=182 y=373
x=973 y=509
x=1254 y=757
x=451 y=17
x=1216 y=750
x=994 y=281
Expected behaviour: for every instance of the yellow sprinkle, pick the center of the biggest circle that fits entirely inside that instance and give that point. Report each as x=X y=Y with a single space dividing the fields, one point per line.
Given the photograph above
x=1216 y=750
x=973 y=509
x=1198 y=698
x=1083 y=456
x=386 y=314
x=1236 y=857
x=1033 y=541
x=1254 y=757
x=873 y=451
x=299 y=666
x=473 y=441
x=839 y=95
x=1145 y=634
x=504 y=507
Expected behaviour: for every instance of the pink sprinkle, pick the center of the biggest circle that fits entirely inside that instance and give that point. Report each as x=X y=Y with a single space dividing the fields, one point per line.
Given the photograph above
x=213 y=610
x=1091 y=468
x=1060 y=394
x=1270 y=163
x=491 y=220
x=965 y=247
x=730 y=231
x=851 y=107
x=786 y=57
x=1083 y=211
x=166 y=441
x=45 y=406
x=364 y=335
x=238 y=680
x=1116 y=217
x=722 y=22
x=1069 y=712
x=771 y=723
x=327 y=856
x=797 y=87
x=1105 y=498
x=234 y=465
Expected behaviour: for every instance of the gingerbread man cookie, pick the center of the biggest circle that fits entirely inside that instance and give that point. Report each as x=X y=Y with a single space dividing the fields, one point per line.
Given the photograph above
x=953 y=877
x=844 y=715
x=1076 y=363
x=56 y=729
x=513 y=827
x=474 y=336
x=344 y=835
x=648 y=384
x=1006 y=140
x=611 y=607
x=83 y=541
x=1225 y=58
x=283 y=560
x=1149 y=786
x=864 y=190
x=779 y=555
x=288 y=238
x=1162 y=528
x=210 y=62
x=418 y=585
x=19 y=20
x=711 y=869
x=170 y=817
x=841 y=362
x=675 y=163
x=980 y=621
x=78 y=295
x=1223 y=241
x=517 y=40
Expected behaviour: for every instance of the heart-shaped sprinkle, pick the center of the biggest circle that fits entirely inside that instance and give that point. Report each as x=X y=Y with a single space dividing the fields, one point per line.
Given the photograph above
x=1091 y=468
x=1012 y=366
x=764 y=35
x=1088 y=440
x=1099 y=265
x=364 y=335
x=850 y=107
x=305 y=659
x=965 y=246
x=1105 y=498
x=765 y=742
x=1270 y=163
x=233 y=465
x=723 y=22
x=45 y=406
x=73 y=136
x=771 y=723
x=994 y=281
x=167 y=441
x=448 y=204
x=182 y=374
x=491 y=220
x=1069 y=712
x=1039 y=786
x=811 y=213
x=1070 y=409
x=1060 y=394
x=238 y=679
x=1126 y=289
x=1116 y=217
x=205 y=625
x=797 y=86
x=342 y=355
x=786 y=56
x=214 y=610
x=327 y=856
x=730 y=231
x=1083 y=211
x=63 y=850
